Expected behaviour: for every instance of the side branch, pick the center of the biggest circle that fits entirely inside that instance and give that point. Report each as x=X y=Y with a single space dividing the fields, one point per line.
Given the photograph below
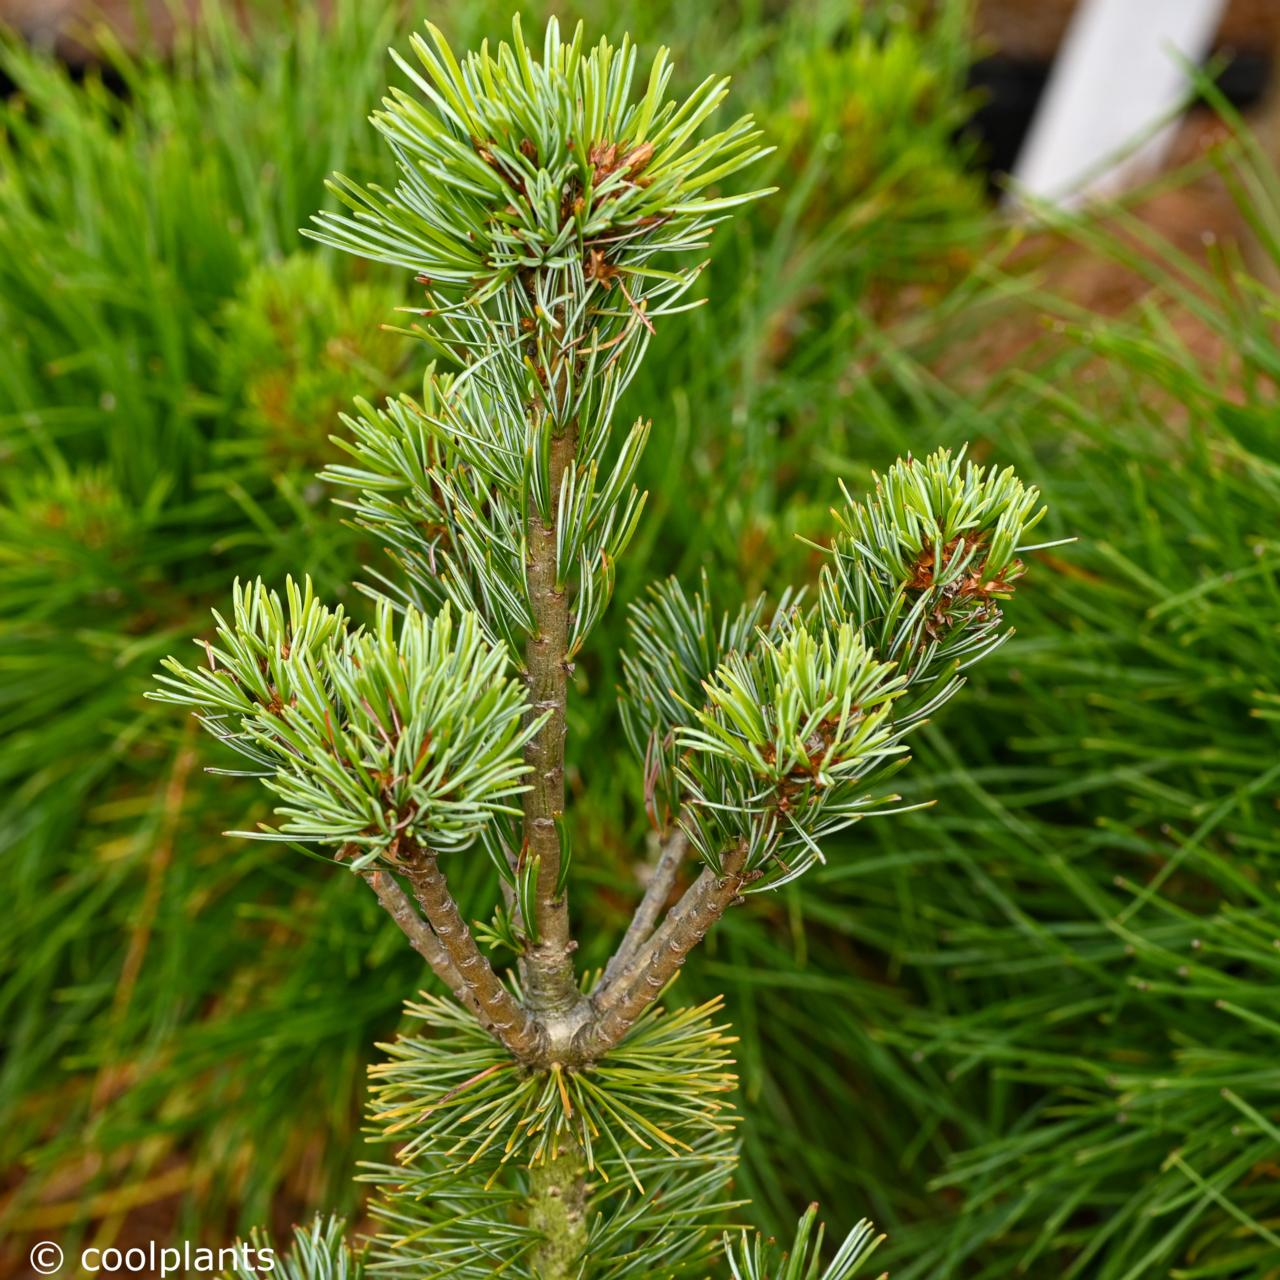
x=661 y=881
x=421 y=938
x=639 y=983
x=496 y=1008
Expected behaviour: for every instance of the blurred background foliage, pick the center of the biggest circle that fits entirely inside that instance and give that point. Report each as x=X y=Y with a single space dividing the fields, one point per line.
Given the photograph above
x=1030 y=1031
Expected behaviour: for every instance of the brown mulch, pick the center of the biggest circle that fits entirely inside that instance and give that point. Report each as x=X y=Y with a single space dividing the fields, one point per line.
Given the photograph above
x=1192 y=217
x=1028 y=29
x=1032 y=29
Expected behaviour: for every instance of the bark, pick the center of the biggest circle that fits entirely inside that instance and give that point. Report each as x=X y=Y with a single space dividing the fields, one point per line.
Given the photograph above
x=657 y=891
x=547 y=968
x=557 y=1189
x=639 y=983
x=421 y=938
x=558 y=1210
x=497 y=1009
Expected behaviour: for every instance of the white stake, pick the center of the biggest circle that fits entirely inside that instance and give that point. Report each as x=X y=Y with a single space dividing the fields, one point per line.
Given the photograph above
x=1118 y=74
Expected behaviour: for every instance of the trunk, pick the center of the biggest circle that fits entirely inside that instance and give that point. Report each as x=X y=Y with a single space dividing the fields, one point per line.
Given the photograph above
x=558 y=1210
x=547 y=968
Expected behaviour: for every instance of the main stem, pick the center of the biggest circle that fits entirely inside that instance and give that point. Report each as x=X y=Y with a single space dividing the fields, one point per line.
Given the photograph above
x=557 y=1187
x=558 y=1212
x=550 y=984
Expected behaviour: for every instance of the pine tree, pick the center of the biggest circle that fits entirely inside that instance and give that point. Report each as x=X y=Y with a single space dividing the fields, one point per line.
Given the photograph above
x=548 y=1123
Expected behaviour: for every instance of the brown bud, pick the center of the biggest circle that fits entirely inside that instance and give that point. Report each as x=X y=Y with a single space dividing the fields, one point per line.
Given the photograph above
x=634 y=162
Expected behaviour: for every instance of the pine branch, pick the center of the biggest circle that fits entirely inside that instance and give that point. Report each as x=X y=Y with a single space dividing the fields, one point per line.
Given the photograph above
x=420 y=934
x=454 y=1089
x=409 y=731
x=677 y=640
x=318 y=1252
x=662 y=880
x=544 y=1135
x=500 y=1013
x=638 y=984
x=754 y=1258
x=534 y=197
x=793 y=735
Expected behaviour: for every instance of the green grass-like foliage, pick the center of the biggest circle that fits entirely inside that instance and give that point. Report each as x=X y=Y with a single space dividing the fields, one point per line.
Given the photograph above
x=1076 y=1053
x=153 y=446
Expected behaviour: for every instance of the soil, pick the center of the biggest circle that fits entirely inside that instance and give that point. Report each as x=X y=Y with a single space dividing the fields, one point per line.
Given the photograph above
x=1032 y=29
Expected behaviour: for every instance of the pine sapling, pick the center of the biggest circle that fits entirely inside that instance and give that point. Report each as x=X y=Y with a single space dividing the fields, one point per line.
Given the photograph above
x=547 y=1122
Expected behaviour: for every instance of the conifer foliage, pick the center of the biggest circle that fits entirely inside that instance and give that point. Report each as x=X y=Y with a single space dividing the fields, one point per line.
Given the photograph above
x=548 y=1123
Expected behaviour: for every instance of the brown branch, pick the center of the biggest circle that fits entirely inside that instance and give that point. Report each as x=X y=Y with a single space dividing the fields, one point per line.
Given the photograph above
x=495 y=1007
x=547 y=966
x=662 y=880
x=396 y=904
x=639 y=983
x=424 y=941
